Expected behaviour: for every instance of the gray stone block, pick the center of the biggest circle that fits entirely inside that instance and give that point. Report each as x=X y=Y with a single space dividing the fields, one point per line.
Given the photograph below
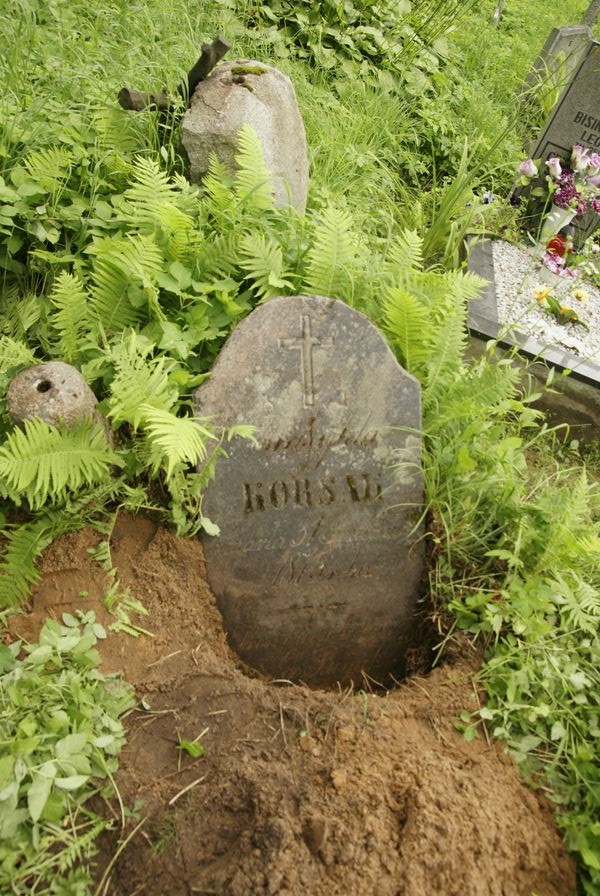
x=247 y=92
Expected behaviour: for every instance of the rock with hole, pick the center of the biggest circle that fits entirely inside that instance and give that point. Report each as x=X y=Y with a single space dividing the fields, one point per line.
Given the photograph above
x=55 y=392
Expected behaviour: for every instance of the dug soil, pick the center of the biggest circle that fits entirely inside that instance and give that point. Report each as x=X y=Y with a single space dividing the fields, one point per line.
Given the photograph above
x=299 y=792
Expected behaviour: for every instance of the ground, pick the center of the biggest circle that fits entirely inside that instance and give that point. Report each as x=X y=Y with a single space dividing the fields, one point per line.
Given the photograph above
x=300 y=792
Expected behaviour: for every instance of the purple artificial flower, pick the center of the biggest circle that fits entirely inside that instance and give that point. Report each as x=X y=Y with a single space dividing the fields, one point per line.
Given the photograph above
x=595 y=203
x=595 y=163
x=528 y=168
x=580 y=158
x=554 y=166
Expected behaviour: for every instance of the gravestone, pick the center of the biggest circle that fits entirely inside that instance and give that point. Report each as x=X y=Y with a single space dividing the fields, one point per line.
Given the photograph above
x=561 y=54
x=318 y=564
x=576 y=120
x=249 y=93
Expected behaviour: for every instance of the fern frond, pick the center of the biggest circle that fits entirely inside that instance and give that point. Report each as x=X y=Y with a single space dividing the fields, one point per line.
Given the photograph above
x=70 y=316
x=22 y=315
x=43 y=463
x=174 y=440
x=139 y=379
x=219 y=200
x=14 y=353
x=579 y=602
x=408 y=322
x=406 y=253
x=253 y=182
x=330 y=258
x=50 y=166
x=262 y=259
x=448 y=344
x=151 y=188
x=18 y=571
x=124 y=277
x=152 y=207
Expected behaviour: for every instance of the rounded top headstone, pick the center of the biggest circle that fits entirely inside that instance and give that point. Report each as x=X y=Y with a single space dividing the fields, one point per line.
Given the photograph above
x=318 y=564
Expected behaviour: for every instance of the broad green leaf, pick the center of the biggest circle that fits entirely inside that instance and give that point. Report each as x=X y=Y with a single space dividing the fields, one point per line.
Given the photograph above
x=37 y=796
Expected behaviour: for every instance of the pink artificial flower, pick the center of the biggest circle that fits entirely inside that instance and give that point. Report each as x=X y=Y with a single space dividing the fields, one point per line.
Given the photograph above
x=528 y=168
x=594 y=180
x=580 y=158
x=595 y=163
x=554 y=166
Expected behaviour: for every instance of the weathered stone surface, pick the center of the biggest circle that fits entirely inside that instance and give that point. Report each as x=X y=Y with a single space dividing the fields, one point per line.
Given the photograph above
x=247 y=92
x=318 y=564
x=561 y=54
x=52 y=391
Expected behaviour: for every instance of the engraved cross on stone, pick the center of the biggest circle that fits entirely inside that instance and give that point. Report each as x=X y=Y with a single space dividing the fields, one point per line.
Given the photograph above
x=306 y=344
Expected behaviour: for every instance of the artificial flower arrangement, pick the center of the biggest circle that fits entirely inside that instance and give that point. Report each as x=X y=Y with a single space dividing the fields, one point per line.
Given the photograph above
x=570 y=190
x=576 y=188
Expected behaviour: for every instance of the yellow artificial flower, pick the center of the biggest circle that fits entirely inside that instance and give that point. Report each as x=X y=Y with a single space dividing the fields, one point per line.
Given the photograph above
x=541 y=293
x=581 y=295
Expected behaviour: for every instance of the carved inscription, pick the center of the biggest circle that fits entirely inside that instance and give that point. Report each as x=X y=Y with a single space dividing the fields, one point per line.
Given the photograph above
x=590 y=129
x=297 y=570
x=303 y=492
x=305 y=345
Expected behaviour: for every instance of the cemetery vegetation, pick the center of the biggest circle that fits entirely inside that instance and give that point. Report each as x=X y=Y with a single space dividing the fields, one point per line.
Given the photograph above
x=110 y=260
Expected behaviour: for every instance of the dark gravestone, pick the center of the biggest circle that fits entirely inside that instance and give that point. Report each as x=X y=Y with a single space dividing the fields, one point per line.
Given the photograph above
x=317 y=567
x=576 y=120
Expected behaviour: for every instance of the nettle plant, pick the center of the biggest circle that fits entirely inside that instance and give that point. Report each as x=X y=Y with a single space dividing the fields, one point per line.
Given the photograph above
x=61 y=734
x=389 y=43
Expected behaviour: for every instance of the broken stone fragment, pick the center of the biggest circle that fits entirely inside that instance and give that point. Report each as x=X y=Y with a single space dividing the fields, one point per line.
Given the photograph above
x=54 y=392
x=248 y=92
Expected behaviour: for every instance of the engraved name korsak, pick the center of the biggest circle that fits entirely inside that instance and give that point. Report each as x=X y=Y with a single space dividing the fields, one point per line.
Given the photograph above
x=318 y=565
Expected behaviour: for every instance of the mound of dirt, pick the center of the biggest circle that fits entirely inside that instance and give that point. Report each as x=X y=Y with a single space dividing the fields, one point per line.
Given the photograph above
x=300 y=792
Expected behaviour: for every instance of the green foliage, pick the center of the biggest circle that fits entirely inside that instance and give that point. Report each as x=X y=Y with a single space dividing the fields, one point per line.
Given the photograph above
x=23 y=545
x=43 y=464
x=61 y=735
x=400 y=40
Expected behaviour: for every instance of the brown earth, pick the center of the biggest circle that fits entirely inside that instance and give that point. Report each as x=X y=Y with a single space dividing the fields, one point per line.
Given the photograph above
x=300 y=792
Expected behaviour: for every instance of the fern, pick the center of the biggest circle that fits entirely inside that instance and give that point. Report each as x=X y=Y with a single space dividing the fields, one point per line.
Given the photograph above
x=70 y=316
x=24 y=544
x=173 y=440
x=331 y=255
x=408 y=323
x=578 y=602
x=152 y=206
x=407 y=253
x=13 y=354
x=124 y=278
x=50 y=167
x=448 y=344
x=262 y=259
x=253 y=182
x=43 y=463
x=139 y=379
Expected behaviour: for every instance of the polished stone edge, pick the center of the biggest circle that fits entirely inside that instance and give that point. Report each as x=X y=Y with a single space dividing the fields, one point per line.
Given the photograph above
x=483 y=323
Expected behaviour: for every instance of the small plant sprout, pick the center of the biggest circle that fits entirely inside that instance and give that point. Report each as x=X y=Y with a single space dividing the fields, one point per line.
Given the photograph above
x=192 y=747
